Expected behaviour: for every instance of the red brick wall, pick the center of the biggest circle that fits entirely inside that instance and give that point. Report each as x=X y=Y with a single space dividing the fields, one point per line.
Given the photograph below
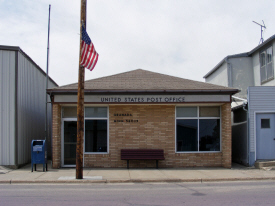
x=155 y=129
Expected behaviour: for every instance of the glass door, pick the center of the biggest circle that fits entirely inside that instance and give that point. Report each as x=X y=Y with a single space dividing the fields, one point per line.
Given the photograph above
x=69 y=141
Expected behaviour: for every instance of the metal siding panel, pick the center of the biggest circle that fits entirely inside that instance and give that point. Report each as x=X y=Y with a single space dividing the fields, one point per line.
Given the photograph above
x=25 y=109
x=7 y=101
x=261 y=99
x=31 y=106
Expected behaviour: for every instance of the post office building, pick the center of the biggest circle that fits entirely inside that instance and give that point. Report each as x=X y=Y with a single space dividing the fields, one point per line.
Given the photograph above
x=189 y=120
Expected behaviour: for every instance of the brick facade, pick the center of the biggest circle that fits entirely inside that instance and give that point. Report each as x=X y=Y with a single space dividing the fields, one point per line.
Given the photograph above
x=56 y=135
x=155 y=128
x=226 y=136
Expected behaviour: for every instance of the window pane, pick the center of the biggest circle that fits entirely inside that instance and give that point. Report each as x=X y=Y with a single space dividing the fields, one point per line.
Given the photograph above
x=265 y=123
x=70 y=133
x=187 y=112
x=269 y=70
x=69 y=112
x=209 y=135
x=96 y=112
x=95 y=135
x=269 y=55
x=209 y=111
x=262 y=59
x=187 y=135
x=263 y=74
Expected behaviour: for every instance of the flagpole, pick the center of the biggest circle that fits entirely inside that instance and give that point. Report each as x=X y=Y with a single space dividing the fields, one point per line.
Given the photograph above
x=47 y=76
x=80 y=101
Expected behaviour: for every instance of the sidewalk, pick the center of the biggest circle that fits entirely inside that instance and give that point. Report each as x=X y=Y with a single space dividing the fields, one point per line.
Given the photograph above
x=91 y=175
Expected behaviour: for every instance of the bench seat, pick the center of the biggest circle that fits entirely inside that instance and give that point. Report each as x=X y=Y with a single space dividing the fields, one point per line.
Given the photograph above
x=142 y=154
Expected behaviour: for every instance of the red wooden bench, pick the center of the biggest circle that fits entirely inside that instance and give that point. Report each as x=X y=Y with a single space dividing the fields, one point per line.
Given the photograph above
x=142 y=154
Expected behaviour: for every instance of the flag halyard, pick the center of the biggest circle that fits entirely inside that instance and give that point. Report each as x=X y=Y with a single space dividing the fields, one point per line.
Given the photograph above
x=89 y=56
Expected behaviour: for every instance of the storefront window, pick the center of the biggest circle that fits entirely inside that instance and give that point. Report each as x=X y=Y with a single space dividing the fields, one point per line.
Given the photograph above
x=197 y=133
x=187 y=135
x=209 y=135
x=96 y=112
x=96 y=129
x=95 y=135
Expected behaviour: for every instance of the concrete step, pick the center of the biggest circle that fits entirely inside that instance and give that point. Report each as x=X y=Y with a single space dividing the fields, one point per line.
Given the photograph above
x=259 y=164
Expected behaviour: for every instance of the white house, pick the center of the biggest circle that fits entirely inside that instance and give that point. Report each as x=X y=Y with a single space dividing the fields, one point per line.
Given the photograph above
x=253 y=128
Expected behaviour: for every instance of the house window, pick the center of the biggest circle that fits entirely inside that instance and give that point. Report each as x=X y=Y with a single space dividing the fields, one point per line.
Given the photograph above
x=265 y=123
x=267 y=72
x=96 y=130
x=198 y=129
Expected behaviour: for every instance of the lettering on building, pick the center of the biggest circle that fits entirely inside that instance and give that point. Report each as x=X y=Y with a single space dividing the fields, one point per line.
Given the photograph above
x=124 y=120
x=147 y=99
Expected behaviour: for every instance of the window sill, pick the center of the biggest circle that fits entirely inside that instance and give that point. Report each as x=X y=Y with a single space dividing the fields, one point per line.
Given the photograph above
x=266 y=81
x=199 y=152
x=100 y=153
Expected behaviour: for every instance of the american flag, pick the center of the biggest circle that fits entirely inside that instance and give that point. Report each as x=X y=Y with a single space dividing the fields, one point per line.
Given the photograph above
x=89 y=55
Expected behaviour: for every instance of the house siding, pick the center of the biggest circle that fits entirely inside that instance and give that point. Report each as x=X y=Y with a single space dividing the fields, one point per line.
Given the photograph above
x=261 y=99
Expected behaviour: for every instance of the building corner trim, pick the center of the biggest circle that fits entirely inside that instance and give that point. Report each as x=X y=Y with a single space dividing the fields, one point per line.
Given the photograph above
x=16 y=112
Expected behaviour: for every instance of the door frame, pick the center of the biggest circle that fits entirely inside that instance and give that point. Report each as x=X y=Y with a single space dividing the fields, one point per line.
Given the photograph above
x=62 y=140
x=255 y=127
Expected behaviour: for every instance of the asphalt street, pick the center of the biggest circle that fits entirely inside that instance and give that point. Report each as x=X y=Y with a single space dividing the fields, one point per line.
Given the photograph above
x=212 y=193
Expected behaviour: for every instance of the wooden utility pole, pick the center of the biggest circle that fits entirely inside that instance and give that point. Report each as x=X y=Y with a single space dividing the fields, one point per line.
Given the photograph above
x=80 y=101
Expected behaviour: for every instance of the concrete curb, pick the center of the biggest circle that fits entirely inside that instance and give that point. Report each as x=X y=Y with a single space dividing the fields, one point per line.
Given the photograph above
x=132 y=181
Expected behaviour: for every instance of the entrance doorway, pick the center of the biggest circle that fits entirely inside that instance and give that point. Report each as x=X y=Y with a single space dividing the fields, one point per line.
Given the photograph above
x=69 y=143
x=265 y=136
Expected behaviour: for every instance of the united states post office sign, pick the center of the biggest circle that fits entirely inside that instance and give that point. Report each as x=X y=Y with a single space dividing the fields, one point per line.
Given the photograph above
x=115 y=99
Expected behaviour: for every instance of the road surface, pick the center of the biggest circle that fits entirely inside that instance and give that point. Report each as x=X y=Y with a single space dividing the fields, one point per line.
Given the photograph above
x=202 y=194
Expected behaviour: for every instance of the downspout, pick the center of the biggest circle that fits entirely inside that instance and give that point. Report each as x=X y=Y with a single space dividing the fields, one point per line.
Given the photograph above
x=248 y=122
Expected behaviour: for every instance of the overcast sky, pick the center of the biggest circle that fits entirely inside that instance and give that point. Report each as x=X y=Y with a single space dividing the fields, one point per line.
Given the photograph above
x=183 y=38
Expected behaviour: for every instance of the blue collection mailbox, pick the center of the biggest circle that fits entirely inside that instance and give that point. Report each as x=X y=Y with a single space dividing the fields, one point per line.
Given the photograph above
x=39 y=154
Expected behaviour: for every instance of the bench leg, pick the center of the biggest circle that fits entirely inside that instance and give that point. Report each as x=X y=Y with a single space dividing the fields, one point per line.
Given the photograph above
x=127 y=164
x=157 y=164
